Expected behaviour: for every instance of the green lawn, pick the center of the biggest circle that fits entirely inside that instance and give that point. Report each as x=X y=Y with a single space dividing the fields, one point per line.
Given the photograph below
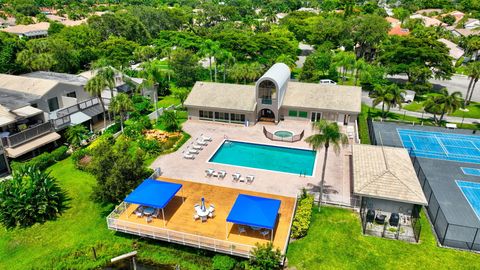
x=363 y=126
x=335 y=241
x=167 y=101
x=473 y=109
x=67 y=242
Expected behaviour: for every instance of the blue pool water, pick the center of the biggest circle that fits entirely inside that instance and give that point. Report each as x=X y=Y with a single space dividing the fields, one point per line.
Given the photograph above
x=439 y=145
x=266 y=157
x=471 y=171
x=471 y=190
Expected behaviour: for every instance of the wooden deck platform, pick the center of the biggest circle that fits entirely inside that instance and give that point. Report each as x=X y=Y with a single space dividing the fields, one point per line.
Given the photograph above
x=179 y=215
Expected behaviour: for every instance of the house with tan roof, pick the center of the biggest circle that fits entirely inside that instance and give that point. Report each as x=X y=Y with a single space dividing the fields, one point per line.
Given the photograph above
x=272 y=99
x=454 y=50
x=427 y=21
x=36 y=30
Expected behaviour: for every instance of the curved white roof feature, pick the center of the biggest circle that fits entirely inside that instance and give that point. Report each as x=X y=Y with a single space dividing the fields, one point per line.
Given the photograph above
x=279 y=73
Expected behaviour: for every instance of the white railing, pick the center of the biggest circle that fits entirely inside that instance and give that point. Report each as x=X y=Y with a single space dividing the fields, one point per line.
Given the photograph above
x=182 y=238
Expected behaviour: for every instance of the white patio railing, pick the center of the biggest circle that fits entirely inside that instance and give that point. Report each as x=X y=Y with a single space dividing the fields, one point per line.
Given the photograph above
x=182 y=238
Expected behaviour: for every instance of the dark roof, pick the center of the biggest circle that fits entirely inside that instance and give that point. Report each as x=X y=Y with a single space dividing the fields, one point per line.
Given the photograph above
x=14 y=100
x=55 y=76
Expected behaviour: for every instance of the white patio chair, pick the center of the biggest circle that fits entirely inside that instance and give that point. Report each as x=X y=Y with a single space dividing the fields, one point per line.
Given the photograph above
x=156 y=213
x=197 y=147
x=195 y=217
x=222 y=174
x=204 y=219
x=188 y=156
x=205 y=138
x=210 y=215
x=202 y=143
x=148 y=219
x=264 y=233
x=211 y=209
x=241 y=230
x=250 y=178
x=236 y=176
x=209 y=172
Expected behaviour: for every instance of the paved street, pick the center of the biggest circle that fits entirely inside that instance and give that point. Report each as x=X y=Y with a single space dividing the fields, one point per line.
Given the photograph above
x=457 y=83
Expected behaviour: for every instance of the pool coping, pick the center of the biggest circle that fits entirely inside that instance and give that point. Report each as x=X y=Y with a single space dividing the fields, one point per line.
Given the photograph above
x=265 y=170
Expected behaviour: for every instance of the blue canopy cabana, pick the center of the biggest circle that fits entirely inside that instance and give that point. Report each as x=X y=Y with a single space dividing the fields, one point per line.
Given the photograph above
x=255 y=212
x=154 y=193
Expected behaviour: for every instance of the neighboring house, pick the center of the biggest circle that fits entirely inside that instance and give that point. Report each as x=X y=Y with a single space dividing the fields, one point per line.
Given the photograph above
x=457 y=14
x=392 y=21
x=123 y=83
x=36 y=30
x=398 y=31
x=472 y=24
x=454 y=50
x=272 y=99
x=427 y=21
x=428 y=11
x=65 y=21
x=8 y=22
x=305 y=9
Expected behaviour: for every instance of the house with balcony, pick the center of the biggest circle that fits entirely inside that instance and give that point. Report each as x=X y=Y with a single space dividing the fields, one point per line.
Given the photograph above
x=272 y=99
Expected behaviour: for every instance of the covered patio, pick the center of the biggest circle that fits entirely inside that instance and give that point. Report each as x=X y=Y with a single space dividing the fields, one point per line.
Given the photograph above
x=257 y=213
x=180 y=226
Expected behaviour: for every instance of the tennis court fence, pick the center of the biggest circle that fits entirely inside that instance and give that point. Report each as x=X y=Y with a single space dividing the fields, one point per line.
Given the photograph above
x=448 y=234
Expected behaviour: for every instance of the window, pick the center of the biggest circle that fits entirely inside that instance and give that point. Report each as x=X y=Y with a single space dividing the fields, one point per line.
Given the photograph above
x=53 y=104
x=72 y=94
x=293 y=113
x=220 y=116
x=237 y=117
x=302 y=114
x=206 y=114
x=34 y=105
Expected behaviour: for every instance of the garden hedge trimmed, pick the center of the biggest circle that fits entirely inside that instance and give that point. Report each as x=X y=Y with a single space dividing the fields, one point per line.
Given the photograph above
x=301 y=220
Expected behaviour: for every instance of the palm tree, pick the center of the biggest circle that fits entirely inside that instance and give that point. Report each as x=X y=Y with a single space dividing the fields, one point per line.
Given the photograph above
x=121 y=104
x=169 y=119
x=328 y=135
x=95 y=87
x=153 y=74
x=76 y=135
x=345 y=60
x=254 y=70
x=473 y=71
x=380 y=95
x=237 y=72
x=226 y=59
x=360 y=66
x=395 y=96
x=181 y=93
x=209 y=48
x=443 y=103
x=287 y=60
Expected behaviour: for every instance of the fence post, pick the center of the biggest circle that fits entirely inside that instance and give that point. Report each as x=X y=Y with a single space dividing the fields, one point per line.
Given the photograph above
x=474 y=239
x=445 y=235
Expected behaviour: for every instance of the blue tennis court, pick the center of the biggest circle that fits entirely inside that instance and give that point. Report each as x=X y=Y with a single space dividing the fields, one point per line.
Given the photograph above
x=471 y=171
x=439 y=145
x=471 y=190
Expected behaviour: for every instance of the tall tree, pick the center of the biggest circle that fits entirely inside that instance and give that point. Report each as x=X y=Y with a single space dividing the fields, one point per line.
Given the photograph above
x=185 y=67
x=345 y=60
x=76 y=135
x=328 y=135
x=95 y=87
x=121 y=104
x=368 y=32
x=209 y=49
x=443 y=103
x=473 y=71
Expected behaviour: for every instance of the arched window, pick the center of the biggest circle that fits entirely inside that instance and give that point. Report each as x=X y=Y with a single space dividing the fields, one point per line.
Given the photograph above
x=267 y=90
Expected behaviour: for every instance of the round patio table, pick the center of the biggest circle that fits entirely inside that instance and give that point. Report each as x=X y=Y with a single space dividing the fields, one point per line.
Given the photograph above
x=148 y=211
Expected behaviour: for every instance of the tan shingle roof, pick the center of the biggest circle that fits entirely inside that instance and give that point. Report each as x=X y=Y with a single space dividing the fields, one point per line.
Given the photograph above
x=33 y=86
x=324 y=96
x=222 y=95
x=385 y=173
x=25 y=29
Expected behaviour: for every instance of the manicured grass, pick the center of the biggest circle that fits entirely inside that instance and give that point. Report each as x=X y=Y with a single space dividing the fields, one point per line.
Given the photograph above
x=168 y=101
x=66 y=243
x=473 y=111
x=182 y=117
x=414 y=106
x=335 y=241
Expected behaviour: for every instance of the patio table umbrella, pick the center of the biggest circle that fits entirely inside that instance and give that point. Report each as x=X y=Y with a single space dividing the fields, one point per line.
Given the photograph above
x=203 y=204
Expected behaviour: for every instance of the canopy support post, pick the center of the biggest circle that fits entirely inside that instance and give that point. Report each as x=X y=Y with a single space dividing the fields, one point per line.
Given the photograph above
x=226 y=230
x=163 y=214
x=183 y=198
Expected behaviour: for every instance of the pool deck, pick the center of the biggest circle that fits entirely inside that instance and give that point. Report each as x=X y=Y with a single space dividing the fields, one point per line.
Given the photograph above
x=337 y=179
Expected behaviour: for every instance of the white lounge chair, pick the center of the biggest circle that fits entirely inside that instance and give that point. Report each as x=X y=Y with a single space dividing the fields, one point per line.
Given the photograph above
x=200 y=142
x=209 y=172
x=192 y=151
x=236 y=176
x=222 y=174
x=188 y=156
x=205 y=138
x=250 y=178
x=197 y=147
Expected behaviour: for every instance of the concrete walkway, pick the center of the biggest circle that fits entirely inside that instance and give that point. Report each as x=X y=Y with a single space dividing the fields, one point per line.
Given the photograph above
x=367 y=100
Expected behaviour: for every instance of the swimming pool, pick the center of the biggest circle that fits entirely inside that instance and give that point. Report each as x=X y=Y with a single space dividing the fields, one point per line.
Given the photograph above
x=471 y=191
x=265 y=157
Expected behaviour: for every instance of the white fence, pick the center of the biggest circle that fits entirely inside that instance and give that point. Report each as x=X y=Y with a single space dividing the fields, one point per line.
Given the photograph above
x=155 y=114
x=186 y=239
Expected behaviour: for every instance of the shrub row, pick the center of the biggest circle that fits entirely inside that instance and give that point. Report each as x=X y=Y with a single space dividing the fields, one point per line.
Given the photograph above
x=44 y=160
x=301 y=220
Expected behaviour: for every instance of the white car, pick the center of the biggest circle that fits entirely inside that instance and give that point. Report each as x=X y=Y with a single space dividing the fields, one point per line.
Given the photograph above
x=327 y=81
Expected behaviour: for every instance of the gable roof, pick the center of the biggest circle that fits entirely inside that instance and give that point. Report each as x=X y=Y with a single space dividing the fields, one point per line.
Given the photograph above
x=26 y=29
x=323 y=96
x=223 y=96
x=385 y=173
x=454 y=50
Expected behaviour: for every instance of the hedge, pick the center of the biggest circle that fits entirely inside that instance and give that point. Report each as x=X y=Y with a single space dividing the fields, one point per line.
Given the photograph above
x=44 y=160
x=301 y=220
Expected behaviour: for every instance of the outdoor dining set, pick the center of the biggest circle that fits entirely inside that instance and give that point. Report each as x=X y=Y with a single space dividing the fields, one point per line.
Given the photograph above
x=202 y=212
x=261 y=231
x=148 y=212
x=195 y=148
x=236 y=177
